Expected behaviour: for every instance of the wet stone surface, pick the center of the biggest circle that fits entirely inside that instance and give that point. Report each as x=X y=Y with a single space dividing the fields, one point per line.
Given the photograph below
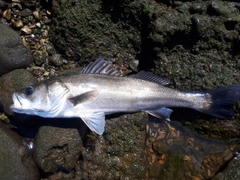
x=56 y=148
x=176 y=152
x=15 y=156
x=193 y=43
x=119 y=153
x=231 y=172
x=13 y=54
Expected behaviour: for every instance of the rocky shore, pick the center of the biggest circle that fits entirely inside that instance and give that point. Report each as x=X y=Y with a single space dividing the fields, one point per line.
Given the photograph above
x=193 y=43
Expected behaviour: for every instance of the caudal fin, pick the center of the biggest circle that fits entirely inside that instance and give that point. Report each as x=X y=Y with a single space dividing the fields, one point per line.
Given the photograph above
x=222 y=101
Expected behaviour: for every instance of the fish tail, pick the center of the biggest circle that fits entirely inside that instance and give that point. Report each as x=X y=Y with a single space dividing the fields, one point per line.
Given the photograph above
x=222 y=101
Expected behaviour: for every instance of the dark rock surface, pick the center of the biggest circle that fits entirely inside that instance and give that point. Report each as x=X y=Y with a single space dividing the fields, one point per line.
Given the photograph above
x=175 y=152
x=87 y=30
x=119 y=153
x=56 y=148
x=194 y=43
x=232 y=172
x=15 y=157
x=11 y=82
x=13 y=54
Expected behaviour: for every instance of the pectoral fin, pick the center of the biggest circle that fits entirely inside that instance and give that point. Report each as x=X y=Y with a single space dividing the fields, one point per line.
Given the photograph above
x=85 y=97
x=95 y=122
x=162 y=113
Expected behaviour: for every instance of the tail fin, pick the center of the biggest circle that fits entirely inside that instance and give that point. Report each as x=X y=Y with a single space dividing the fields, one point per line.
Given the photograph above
x=223 y=100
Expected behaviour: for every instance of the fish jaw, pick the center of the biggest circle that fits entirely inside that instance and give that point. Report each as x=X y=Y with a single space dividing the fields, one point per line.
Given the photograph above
x=21 y=105
x=17 y=105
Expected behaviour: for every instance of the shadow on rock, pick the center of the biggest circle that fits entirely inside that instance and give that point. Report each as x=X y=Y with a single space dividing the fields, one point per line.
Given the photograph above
x=28 y=125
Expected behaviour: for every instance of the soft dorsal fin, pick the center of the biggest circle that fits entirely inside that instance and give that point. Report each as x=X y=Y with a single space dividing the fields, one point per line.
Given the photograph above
x=101 y=66
x=148 y=76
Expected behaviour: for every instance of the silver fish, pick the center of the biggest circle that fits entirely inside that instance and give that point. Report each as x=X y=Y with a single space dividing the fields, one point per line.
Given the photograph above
x=99 y=90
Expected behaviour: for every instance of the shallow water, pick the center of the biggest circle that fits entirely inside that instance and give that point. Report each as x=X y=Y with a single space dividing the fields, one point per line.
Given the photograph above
x=175 y=152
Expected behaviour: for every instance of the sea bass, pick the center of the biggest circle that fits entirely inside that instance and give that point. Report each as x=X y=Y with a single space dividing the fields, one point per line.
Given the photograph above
x=100 y=89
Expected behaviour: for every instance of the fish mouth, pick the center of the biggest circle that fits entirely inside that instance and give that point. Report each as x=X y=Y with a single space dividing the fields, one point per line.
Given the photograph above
x=18 y=99
x=16 y=102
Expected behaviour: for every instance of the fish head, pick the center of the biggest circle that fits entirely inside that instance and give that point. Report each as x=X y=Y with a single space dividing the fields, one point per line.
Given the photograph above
x=40 y=99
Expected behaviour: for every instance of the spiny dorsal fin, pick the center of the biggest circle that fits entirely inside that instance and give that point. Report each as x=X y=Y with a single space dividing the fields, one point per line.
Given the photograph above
x=148 y=76
x=101 y=66
x=85 y=97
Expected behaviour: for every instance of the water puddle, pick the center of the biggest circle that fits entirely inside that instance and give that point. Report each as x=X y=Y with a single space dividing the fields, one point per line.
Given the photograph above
x=175 y=152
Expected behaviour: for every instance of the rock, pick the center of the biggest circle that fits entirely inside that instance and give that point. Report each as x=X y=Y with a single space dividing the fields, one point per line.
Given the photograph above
x=56 y=148
x=98 y=31
x=39 y=58
x=11 y=82
x=29 y=3
x=15 y=157
x=218 y=7
x=119 y=153
x=13 y=54
x=56 y=59
x=232 y=172
x=154 y=170
x=3 y=6
x=25 y=12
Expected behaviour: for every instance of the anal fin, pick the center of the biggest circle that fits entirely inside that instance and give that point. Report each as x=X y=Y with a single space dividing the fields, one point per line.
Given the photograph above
x=162 y=113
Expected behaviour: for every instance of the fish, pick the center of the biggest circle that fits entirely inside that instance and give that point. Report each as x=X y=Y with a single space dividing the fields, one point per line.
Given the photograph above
x=100 y=89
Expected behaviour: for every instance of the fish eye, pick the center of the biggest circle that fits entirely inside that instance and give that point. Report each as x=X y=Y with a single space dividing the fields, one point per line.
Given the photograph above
x=28 y=91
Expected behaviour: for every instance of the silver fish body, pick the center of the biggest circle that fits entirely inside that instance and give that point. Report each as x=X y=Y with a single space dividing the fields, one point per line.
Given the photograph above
x=100 y=90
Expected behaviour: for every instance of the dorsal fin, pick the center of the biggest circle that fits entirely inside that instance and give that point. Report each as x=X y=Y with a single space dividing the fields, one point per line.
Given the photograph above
x=101 y=66
x=148 y=76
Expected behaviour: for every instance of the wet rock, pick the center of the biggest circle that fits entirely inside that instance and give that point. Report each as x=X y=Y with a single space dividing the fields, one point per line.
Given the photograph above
x=40 y=58
x=98 y=31
x=29 y=3
x=232 y=172
x=154 y=170
x=25 y=12
x=183 y=154
x=218 y=7
x=15 y=157
x=17 y=24
x=219 y=129
x=56 y=59
x=196 y=8
x=200 y=24
x=197 y=52
x=157 y=38
x=13 y=54
x=11 y=82
x=3 y=6
x=56 y=148
x=119 y=153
